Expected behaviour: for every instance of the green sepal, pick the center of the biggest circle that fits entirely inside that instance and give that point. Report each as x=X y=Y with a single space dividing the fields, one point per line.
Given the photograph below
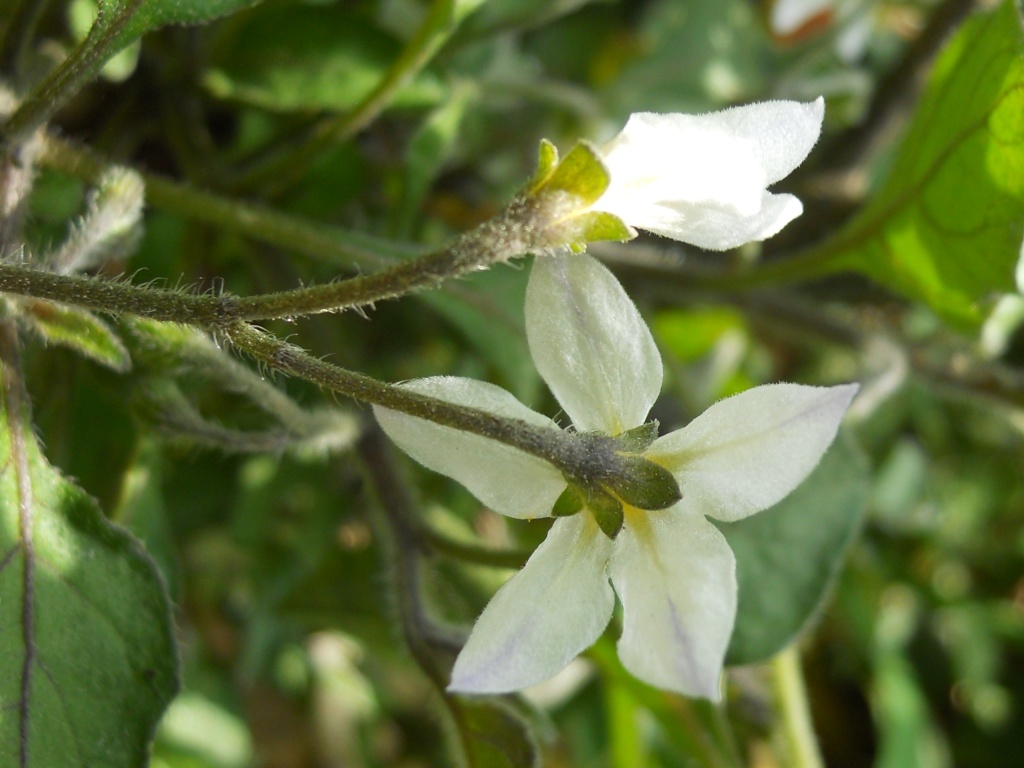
x=547 y=161
x=79 y=330
x=569 y=503
x=608 y=512
x=643 y=484
x=581 y=173
x=601 y=225
x=638 y=439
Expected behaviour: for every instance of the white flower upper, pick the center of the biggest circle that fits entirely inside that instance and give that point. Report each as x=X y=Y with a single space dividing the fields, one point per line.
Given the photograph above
x=672 y=569
x=702 y=179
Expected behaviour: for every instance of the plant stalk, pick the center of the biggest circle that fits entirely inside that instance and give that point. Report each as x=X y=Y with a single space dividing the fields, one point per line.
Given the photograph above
x=795 y=729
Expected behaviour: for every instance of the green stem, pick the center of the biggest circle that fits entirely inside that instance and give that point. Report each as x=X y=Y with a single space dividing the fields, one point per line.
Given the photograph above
x=680 y=724
x=195 y=353
x=511 y=233
x=626 y=745
x=795 y=728
x=561 y=449
x=81 y=65
x=591 y=460
x=715 y=720
x=395 y=510
x=827 y=259
x=431 y=35
x=205 y=311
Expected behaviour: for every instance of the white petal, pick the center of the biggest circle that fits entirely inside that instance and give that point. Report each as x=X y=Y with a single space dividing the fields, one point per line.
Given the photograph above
x=780 y=133
x=702 y=179
x=544 y=616
x=679 y=158
x=750 y=451
x=507 y=480
x=676 y=578
x=718 y=230
x=590 y=344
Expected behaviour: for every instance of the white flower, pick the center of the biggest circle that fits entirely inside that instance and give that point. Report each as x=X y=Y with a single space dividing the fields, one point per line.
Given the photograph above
x=702 y=179
x=672 y=569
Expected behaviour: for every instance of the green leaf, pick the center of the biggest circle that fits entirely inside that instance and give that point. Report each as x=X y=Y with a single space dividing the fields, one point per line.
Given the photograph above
x=120 y=23
x=946 y=226
x=79 y=330
x=88 y=662
x=787 y=556
x=142 y=511
x=153 y=14
x=429 y=150
x=300 y=58
x=492 y=734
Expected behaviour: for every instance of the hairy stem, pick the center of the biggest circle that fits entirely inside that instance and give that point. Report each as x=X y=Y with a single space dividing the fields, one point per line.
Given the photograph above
x=517 y=230
x=552 y=445
x=206 y=311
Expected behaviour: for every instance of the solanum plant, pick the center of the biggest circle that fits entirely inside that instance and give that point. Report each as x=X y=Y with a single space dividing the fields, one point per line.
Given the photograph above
x=723 y=378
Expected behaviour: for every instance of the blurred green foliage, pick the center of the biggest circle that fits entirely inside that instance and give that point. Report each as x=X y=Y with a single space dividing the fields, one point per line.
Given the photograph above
x=286 y=589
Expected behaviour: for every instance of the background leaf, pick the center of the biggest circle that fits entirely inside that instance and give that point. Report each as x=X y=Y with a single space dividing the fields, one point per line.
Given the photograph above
x=787 y=556
x=81 y=331
x=119 y=23
x=159 y=13
x=287 y=58
x=946 y=226
x=88 y=661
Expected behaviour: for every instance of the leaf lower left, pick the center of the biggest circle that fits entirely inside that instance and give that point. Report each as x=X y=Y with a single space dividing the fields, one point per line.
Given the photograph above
x=87 y=655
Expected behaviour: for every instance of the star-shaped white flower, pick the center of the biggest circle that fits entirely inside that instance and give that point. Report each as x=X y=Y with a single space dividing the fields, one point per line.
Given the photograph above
x=702 y=179
x=672 y=569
